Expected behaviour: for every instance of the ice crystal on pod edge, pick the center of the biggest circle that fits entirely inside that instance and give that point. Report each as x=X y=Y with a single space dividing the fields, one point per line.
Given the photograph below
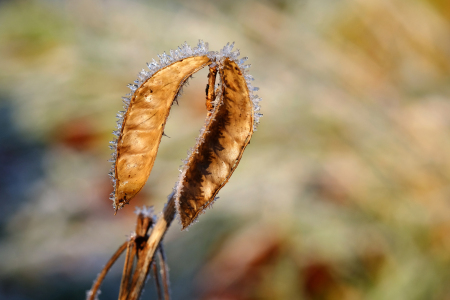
x=185 y=51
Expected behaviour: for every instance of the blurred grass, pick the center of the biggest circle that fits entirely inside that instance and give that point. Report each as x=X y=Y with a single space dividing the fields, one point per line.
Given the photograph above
x=342 y=194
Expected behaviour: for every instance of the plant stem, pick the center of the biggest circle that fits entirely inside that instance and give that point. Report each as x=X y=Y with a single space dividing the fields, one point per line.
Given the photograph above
x=152 y=244
x=127 y=268
x=157 y=283
x=164 y=272
x=93 y=292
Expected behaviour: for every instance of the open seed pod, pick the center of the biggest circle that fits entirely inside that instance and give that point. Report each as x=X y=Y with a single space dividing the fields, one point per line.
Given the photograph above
x=220 y=146
x=233 y=113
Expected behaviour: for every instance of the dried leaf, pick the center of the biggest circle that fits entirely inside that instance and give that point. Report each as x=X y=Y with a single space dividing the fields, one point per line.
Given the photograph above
x=220 y=147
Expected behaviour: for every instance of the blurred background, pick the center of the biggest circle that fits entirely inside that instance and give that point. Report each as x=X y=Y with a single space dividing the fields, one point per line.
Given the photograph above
x=343 y=192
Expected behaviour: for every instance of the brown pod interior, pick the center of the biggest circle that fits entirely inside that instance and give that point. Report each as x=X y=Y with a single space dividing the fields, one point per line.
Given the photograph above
x=221 y=147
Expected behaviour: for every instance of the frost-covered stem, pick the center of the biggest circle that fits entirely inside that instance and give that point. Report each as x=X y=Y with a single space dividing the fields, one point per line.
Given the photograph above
x=157 y=283
x=93 y=292
x=164 y=272
x=152 y=244
x=127 y=268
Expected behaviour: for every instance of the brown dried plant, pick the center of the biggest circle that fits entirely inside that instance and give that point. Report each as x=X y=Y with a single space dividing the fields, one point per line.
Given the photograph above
x=232 y=116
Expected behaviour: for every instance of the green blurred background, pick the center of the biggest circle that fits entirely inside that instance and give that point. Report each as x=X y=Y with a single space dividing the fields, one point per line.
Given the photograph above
x=343 y=192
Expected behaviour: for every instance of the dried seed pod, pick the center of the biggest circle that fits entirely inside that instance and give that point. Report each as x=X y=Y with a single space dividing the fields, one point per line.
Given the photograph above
x=233 y=114
x=220 y=146
x=143 y=126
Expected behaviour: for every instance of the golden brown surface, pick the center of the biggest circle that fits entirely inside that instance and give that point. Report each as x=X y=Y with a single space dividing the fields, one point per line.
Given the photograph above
x=210 y=90
x=225 y=139
x=144 y=125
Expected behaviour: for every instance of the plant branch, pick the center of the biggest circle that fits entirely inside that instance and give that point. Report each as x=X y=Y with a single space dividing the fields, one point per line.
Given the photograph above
x=157 y=283
x=164 y=272
x=127 y=268
x=93 y=292
x=152 y=244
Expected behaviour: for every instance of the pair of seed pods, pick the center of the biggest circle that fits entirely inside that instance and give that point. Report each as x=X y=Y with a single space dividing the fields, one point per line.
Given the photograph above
x=232 y=116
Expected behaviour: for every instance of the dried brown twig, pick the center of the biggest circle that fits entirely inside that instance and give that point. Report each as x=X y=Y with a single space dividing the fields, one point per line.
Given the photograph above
x=93 y=293
x=142 y=246
x=155 y=238
x=164 y=272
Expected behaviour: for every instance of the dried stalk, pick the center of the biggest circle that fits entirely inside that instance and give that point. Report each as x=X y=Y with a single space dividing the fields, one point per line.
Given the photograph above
x=156 y=236
x=127 y=268
x=164 y=272
x=101 y=276
x=157 y=283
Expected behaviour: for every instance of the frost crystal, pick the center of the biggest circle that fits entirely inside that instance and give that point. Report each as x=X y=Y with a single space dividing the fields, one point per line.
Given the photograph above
x=185 y=51
x=89 y=294
x=147 y=212
x=132 y=87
